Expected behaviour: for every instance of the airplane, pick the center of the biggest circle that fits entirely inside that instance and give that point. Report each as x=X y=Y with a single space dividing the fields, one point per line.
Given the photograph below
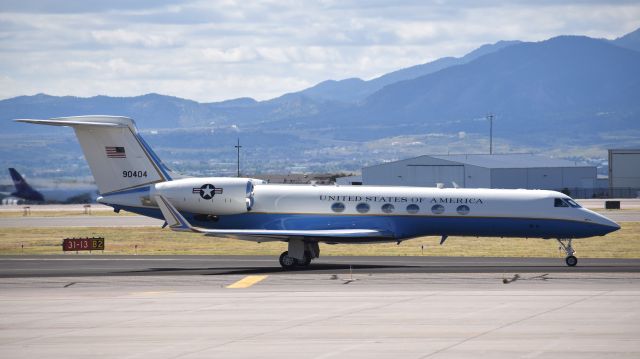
x=26 y=193
x=23 y=189
x=130 y=176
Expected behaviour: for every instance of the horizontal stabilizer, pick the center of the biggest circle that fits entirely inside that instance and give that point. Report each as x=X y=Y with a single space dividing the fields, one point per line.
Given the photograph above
x=54 y=122
x=178 y=223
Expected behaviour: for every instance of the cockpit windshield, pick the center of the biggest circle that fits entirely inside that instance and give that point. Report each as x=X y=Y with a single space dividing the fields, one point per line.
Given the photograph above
x=565 y=202
x=572 y=203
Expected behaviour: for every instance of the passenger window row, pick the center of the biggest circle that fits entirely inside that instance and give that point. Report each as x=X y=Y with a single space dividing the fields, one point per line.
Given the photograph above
x=339 y=207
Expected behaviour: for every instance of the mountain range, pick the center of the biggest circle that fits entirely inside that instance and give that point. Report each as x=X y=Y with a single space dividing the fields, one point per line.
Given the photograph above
x=576 y=83
x=565 y=91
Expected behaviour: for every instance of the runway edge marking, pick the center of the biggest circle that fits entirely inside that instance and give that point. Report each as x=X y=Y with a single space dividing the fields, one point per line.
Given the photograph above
x=247 y=281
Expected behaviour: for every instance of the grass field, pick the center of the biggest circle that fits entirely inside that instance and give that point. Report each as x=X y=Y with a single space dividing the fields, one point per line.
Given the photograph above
x=624 y=243
x=101 y=213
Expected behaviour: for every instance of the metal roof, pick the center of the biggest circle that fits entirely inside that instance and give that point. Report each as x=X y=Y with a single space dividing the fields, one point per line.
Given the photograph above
x=517 y=160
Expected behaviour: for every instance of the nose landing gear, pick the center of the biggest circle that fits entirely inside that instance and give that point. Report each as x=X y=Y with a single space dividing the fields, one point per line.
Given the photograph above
x=571 y=260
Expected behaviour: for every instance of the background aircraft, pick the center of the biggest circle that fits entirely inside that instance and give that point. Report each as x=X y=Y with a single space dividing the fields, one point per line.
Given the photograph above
x=130 y=176
x=23 y=189
x=25 y=193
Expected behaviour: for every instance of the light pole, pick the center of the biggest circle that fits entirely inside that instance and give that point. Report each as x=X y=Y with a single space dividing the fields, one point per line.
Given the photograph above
x=238 y=147
x=490 y=118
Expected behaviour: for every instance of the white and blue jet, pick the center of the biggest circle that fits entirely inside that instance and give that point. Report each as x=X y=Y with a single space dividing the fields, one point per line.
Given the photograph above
x=130 y=176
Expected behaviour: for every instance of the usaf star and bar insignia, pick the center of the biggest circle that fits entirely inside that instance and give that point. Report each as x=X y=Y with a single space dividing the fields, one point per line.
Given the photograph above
x=207 y=191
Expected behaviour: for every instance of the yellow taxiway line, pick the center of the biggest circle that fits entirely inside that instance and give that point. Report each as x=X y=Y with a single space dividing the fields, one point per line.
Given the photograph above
x=247 y=281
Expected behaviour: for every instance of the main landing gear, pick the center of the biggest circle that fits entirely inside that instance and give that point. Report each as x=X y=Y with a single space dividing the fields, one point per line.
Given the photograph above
x=300 y=254
x=565 y=243
x=288 y=262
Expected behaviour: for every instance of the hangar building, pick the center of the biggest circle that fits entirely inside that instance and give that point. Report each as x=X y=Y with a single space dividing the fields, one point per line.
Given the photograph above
x=624 y=173
x=624 y=168
x=483 y=171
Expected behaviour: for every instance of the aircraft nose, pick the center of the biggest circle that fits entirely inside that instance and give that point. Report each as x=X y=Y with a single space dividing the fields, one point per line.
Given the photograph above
x=614 y=226
x=608 y=224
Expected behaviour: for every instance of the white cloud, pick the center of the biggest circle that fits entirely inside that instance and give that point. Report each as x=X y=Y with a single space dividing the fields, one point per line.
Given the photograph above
x=121 y=37
x=214 y=51
x=237 y=54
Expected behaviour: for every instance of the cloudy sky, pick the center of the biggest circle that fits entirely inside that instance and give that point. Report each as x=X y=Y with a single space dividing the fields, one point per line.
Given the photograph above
x=217 y=50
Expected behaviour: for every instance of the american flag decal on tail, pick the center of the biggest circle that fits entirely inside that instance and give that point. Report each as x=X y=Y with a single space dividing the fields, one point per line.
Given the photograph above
x=115 y=152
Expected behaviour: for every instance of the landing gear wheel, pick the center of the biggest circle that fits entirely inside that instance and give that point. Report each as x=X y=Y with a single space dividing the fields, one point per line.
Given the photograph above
x=571 y=261
x=286 y=261
x=565 y=244
x=304 y=262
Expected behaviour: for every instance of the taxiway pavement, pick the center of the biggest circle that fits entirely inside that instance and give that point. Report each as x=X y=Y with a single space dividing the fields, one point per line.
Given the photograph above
x=72 y=265
x=100 y=306
x=375 y=315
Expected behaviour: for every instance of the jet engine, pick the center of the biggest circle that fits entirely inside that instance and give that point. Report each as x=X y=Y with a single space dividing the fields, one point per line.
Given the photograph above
x=211 y=195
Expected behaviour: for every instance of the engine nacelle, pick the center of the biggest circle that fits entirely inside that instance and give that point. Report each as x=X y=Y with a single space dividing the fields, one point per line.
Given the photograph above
x=209 y=195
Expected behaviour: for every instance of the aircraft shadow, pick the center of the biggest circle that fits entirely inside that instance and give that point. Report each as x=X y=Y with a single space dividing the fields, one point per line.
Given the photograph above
x=331 y=268
x=262 y=270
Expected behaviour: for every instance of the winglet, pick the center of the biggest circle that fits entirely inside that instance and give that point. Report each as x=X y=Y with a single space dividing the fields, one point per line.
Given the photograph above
x=172 y=217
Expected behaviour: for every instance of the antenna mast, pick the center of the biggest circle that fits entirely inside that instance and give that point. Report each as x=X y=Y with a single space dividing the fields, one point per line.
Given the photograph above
x=490 y=118
x=238 y=147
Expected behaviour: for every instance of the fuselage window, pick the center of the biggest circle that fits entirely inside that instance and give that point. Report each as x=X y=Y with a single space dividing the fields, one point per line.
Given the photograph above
x=362 y=207
x=413 y=208
x=437 y=209
x=387 y=208
x=558 y=202
x=337 y=207
x=463 y=209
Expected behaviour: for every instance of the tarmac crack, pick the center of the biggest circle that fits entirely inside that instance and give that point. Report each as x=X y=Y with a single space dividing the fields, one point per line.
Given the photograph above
x=303 y=323
x=506 y=325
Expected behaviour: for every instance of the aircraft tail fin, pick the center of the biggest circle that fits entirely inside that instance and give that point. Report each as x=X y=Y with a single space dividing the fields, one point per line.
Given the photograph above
x=23 y=189
x=19 y=182
x=118 y=156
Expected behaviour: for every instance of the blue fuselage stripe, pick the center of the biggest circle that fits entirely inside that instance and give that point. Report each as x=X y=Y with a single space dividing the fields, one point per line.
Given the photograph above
x=154 y=157
x=402 y=226
x=144 y=189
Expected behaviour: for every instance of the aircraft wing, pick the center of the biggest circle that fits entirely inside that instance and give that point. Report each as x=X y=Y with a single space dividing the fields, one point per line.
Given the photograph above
x=178 y=223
